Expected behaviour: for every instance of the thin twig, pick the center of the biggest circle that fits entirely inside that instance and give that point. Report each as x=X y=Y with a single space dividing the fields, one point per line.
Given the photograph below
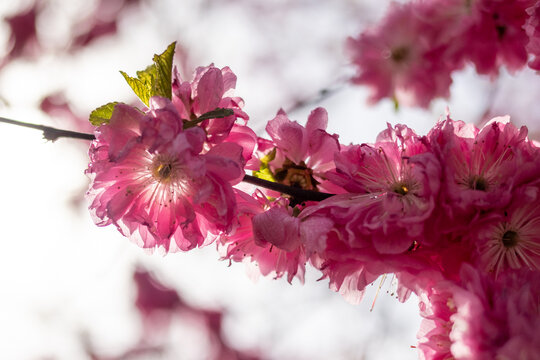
x=50 y=133
x=320 y=96
x=299 y=195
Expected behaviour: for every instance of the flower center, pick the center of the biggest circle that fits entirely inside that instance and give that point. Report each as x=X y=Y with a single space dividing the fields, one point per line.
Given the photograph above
x=510 y=239
x=165 y=168
x=477 y=182
x=399 y=54
x=163 y=171
x=299 y=176
x=400 y=188
x=500 y=29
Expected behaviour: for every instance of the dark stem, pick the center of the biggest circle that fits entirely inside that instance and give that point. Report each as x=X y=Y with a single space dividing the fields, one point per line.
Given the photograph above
x=299 y=195
x=50 y=133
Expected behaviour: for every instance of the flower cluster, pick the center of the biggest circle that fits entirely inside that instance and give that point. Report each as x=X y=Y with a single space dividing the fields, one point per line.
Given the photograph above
x=414 y=64
x=454 y=214
x=480 y=318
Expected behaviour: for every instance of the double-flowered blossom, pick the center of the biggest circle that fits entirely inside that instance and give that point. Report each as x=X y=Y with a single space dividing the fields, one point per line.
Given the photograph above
x=532 y=27
x=494 y=35
x=270 y=236
x=297 y=155
x=482 y=167
x=272 y=231
x=421 y=207
x=396 y=181
x=509 y=238
x=491 y=191
x=161 y=176
x=379 y=224
x=210 y=89
x=482 y=318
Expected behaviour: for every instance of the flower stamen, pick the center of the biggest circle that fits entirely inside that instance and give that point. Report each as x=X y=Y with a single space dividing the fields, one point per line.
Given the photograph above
x=477 y=182
x=510 y=239
x=296 y=175
x=401 y=189
x=165 y=168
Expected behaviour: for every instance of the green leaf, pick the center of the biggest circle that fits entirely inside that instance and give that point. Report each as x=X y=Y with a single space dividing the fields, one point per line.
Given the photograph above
x=264 y=171
x=163 y=65
x=139 y=87
x=214 y=114
x=264 y=174
x=156 y=79
x=102 y=114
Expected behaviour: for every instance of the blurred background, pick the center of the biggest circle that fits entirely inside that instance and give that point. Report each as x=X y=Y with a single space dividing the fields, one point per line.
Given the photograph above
x=71 y=290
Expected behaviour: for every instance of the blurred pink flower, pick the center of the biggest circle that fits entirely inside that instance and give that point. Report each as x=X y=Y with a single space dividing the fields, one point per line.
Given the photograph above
x=23 y=39
x=479 y=317
x=532 y=28
x=101 y=22
x=494 y=35
x=410 y=55
x=403 y=57
x=496 y=319
x=57 y=106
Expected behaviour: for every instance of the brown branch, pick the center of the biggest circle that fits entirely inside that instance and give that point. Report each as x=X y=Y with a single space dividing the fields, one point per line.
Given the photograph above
x=50 y=133
x=299 y=195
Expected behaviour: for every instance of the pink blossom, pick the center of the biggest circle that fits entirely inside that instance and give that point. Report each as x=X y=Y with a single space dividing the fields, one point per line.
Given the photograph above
x=496 y=319
x=509 y=238
x=211 y=88
x=403 y=58
x=350 y=269
x=410 y=55
x=478 y=317
x=23 y=39
x=303 y=154
x=152 y=180
x=436 y=308
x=248 y=243
x=272 y=232
x=482 y=167
x=396 y=182
x=494 y=35
x=532 y=28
